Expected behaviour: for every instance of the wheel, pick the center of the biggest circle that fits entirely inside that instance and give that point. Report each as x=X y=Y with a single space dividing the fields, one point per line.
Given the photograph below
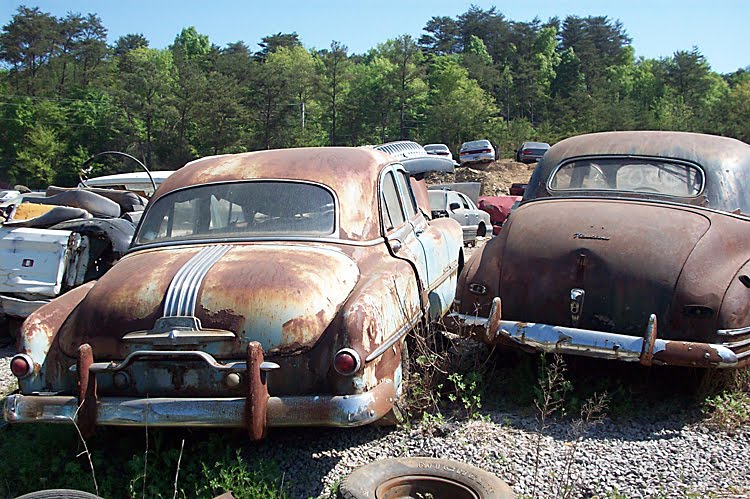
x=422 y=477
x=482 y=230
x=58 y=494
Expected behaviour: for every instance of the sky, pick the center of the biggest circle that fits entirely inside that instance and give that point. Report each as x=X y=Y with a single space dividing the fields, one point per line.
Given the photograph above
x=719 y=28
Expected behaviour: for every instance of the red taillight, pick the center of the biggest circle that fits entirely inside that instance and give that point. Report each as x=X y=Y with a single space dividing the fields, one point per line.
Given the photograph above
x=485 y=150
x=346 y=362
x=20 y=366
x=527 y=151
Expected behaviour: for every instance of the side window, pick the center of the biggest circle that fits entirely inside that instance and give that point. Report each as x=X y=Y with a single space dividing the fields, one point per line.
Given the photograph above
x=393 y=214
x=453 y=198
x=409 y=202
x=464 y=201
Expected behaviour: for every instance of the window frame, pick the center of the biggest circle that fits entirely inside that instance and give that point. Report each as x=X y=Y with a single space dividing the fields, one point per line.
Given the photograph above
x=567 y=161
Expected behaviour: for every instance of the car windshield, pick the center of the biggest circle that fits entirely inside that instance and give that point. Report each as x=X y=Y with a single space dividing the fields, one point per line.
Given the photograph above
x=642 y=175
x=239 y=210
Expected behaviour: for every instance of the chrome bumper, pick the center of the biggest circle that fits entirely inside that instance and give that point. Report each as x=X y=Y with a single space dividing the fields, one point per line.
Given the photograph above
x=648 y=349
x=341 y=411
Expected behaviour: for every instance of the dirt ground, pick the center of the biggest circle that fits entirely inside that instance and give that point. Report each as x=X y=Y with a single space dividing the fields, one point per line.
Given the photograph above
x=496 y=177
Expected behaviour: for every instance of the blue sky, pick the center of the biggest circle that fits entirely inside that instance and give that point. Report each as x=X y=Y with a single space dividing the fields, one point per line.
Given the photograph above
x=719 y=28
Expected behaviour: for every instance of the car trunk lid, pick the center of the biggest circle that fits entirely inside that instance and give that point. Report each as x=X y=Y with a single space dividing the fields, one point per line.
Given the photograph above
x=603 y=265
x=281 y=295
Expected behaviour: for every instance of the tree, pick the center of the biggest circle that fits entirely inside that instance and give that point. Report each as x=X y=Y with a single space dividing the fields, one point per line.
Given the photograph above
x=407 y=59
x=145 y=78
x=27 y=43
x=458 y=108
x=334 y=78
x=271 y=43
x=129 y=42
x=443 y=38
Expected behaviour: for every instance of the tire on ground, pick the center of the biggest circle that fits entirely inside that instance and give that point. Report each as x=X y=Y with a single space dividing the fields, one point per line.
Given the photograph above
x=58 y=494
x=420 y=477
x=482 y=231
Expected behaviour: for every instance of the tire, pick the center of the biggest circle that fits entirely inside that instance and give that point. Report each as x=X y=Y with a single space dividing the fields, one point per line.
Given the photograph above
x=482 y=230
x=58 y=494
x=423 y=477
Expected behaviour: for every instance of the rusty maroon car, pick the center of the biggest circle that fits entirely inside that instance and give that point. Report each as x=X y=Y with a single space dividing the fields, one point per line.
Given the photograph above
x=262 y=289
x=632 y=246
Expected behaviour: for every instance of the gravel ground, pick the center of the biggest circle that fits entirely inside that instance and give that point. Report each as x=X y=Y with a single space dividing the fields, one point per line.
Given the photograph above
x=669 y=457
x=660 y=456
x=7 y=380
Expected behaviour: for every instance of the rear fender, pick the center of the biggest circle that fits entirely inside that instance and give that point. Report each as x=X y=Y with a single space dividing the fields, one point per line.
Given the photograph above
x=37 y=339
x=384 y=307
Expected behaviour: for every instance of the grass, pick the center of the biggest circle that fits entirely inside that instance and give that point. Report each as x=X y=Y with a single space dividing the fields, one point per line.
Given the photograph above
x=49 y=456
x=726 y=399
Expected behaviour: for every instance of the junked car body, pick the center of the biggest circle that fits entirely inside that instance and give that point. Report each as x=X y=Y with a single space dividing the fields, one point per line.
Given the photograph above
x=627 y=245
x=279 y=290
x=53 y=241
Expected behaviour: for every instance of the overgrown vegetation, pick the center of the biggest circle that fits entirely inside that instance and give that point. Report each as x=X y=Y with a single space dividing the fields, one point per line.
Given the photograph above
x=727 y=399
x=49 y=456
x=66 y=94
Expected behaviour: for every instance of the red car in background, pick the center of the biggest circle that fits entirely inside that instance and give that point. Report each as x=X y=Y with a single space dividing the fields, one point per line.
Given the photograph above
x=499 y=209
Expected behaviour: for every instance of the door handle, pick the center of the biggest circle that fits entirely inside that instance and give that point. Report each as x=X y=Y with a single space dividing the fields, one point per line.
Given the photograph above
x=418 y=232
x=396 y=246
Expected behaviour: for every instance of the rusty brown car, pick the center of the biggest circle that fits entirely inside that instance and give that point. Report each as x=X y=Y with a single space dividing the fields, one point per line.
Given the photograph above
x=632 y=246
x=262 y=289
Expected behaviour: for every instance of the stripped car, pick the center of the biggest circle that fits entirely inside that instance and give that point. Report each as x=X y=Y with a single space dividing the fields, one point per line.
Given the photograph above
x=618 y=232
x=53 y=241
x=262 y=289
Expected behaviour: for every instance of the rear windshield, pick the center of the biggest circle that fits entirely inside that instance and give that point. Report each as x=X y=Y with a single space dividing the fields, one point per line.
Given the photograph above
x=479 y=144
x=239 y=210
x=437 y=200
x=642 y=175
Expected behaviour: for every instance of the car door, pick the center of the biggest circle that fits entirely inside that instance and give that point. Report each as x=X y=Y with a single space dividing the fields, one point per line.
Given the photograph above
x=399 y=230
x=471 y=211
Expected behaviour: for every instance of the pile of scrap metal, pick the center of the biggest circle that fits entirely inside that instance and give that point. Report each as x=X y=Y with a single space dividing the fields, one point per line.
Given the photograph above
x=53 y=241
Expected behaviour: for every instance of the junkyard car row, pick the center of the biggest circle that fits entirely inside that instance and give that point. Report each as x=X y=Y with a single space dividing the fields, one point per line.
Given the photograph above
x=275 y=288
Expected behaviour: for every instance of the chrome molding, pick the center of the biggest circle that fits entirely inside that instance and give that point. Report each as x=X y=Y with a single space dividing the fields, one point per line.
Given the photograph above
x=182 y=293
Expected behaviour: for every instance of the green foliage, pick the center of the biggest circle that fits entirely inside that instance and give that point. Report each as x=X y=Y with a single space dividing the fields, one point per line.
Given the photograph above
x=64 y=93
x=48 y=456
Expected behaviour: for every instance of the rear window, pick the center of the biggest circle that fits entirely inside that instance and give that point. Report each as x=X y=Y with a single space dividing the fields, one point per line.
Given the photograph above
x=641 y=175
x=478 y=144
x=238 y=210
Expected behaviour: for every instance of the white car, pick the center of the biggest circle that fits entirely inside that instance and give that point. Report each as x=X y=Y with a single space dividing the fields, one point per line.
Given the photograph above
x=456 y=205
x=477 y=151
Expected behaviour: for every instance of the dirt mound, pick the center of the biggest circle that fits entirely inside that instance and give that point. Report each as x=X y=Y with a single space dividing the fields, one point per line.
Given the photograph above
x=495 y=178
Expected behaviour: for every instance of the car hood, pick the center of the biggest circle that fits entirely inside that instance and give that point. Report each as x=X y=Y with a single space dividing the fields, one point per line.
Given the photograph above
x=627 y=257
x=283 y=296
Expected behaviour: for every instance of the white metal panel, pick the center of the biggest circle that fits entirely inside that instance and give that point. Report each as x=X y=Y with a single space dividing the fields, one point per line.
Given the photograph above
x=32 y=261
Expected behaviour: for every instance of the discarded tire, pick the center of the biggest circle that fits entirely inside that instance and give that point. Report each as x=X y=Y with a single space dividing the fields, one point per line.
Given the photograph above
x=58 y=494
x=422 y=477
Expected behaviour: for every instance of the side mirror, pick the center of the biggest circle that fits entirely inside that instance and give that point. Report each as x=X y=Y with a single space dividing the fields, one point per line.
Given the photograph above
x=454 y=206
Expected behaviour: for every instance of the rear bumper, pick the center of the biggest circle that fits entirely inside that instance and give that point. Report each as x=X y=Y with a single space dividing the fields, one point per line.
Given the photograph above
x=17 y=307
x=342 y=411
x=647 y=349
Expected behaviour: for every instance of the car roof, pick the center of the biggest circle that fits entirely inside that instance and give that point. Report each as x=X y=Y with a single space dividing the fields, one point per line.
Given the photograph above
x=725 y=161
x=436 y=146
x=350 y=172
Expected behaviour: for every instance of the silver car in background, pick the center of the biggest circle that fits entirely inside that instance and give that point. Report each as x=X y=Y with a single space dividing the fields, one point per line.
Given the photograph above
x=477 y=151
x=456 y=205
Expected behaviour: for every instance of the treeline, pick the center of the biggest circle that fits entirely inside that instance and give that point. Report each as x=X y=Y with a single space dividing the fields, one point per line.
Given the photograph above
x=66 y=94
